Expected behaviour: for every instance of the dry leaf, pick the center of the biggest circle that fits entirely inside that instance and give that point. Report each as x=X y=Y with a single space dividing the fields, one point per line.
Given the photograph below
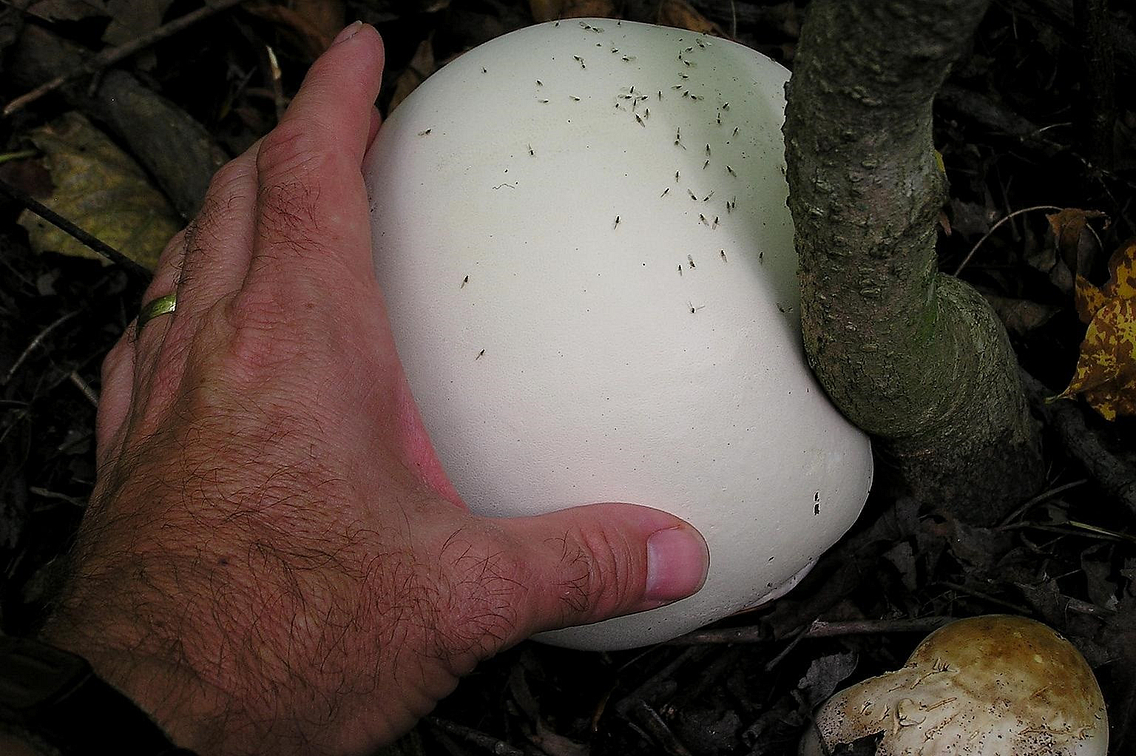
x=303 y=36
x=682 y=15
x=131 y=19
x=328 y=16
x=1020 y=316
x=1068 y=225
x=67 y=10
x=420 y=67
x=547 y=10
x=1106 y=368
x=103 y=191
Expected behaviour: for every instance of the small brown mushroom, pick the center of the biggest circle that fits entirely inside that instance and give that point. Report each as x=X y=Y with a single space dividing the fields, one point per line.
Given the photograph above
x=995 y=685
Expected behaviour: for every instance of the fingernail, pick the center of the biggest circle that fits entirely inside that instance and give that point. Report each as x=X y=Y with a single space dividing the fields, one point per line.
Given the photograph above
x=677 y=561
x=348 y=32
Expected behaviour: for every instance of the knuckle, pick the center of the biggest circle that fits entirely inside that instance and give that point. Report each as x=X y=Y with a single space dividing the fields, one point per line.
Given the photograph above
x=596 y=571
x=230 y=179
x=482 y=587
x=295 y=147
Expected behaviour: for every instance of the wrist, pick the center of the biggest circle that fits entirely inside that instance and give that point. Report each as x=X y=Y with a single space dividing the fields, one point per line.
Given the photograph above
x=163 y=692
x=53 y=699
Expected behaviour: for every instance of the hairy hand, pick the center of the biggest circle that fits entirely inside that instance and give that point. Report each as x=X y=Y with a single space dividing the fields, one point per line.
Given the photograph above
x=273 y=560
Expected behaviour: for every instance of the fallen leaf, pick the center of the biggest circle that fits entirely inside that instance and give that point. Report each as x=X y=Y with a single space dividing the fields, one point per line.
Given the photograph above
x=67 y=10
x=681 y=14
x=1106 y=367
x=131 y=19
x=547 y=10
x=100 y=189
x=328 y=16
x=1068 y=228
x=301 y=34
x=1020 y=316
x=421 y=66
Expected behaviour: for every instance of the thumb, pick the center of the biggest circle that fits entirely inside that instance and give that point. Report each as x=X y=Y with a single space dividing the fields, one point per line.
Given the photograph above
x=590 y=563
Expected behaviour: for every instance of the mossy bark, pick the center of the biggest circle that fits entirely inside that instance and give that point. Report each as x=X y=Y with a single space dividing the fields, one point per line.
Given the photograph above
x=914 y=357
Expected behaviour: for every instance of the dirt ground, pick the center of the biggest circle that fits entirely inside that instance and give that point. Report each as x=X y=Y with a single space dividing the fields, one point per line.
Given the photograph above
x=1041 y=115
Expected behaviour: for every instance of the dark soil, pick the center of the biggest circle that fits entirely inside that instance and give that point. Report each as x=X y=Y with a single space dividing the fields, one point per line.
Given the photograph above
x=1041 y=112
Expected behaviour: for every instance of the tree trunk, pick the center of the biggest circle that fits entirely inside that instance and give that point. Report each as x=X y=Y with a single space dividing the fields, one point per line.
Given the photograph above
x=912 y=356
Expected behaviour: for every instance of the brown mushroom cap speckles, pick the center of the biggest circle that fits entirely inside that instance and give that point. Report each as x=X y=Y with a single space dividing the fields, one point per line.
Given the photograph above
x=1027 y=668
x=987 y=686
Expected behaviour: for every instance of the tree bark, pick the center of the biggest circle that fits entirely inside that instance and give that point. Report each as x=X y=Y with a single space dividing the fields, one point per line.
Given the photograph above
x=912 y=356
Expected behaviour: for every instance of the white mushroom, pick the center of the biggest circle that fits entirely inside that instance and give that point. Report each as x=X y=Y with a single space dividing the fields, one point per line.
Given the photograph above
x=995 y=685
x=581 y=232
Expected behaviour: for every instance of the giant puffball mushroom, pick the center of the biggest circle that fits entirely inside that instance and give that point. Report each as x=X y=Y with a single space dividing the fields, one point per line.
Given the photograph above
x=581 y=233
x=995 y=685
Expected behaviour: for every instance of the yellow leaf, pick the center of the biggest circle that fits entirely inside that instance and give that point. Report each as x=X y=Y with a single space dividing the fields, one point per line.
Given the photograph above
x=1106 y=368
x=1087 y=298
x=100 y=189
x=1122 y=272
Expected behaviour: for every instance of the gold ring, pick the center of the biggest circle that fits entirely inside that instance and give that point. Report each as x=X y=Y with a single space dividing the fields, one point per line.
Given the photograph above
x=160 y=306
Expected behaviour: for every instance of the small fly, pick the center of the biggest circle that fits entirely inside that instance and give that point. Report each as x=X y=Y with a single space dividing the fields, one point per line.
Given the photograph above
x=616 y=223
x=580 y=61
x=693 y=307
x=424 y=133
x=464 y=282
x=730 y=171
x=722 y=252
x=664 y=194
x=690 y=259
x=480 y=355
x=702 y=219
x=531 y=153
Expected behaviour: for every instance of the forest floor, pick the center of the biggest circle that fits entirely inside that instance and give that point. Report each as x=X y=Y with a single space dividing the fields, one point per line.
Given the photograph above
x=1040 y=114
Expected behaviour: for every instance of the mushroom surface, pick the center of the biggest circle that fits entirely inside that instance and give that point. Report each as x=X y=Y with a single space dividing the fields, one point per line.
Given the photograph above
x=581 y=233
x=995 y=685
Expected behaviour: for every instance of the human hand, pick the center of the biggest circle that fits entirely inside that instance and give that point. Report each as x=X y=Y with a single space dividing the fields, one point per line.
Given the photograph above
x=273 y=560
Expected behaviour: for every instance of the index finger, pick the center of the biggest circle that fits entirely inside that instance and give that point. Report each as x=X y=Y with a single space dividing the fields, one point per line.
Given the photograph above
x=311 y=210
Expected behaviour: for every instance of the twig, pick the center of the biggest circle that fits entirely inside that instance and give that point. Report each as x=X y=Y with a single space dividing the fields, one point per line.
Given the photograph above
x=1114 y=470
x=67 y=226
x=653 y=723
x=480 y=739
x=818 y=629
x=17 y=155
x=1043 y=496
x=48 y=494
x=35 y=343
x=1016 y=608
x=114 y=54
x=994 y=228
x=84 y=388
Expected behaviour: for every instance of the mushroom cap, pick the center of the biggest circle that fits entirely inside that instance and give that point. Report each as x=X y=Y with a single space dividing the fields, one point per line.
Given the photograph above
x=996 y=685
x=583 y=319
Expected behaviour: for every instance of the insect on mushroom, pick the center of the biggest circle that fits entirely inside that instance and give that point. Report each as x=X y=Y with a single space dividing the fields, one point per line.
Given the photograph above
x=530 y=249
